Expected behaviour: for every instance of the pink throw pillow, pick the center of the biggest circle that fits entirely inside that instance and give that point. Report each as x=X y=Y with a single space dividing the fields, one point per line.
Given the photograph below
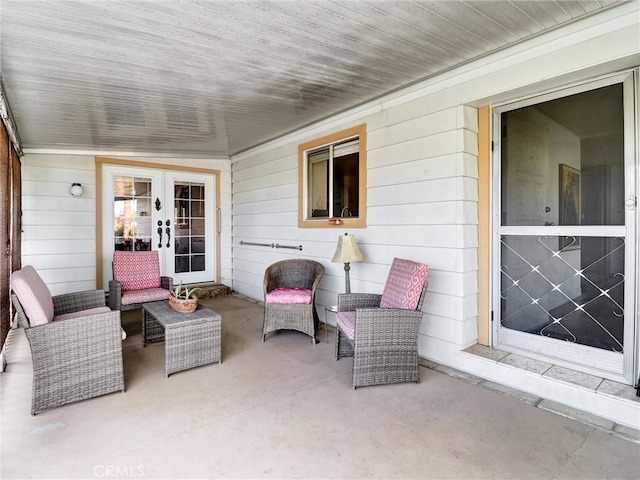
x=136 y=270
x=34 y=295
x=404 y=284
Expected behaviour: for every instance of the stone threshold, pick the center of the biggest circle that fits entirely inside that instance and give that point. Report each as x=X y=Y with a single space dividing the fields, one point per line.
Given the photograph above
x=210 y=289
x=598 y=385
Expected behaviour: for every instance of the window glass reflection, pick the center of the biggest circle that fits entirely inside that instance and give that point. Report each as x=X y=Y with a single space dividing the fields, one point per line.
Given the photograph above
x=563 y=161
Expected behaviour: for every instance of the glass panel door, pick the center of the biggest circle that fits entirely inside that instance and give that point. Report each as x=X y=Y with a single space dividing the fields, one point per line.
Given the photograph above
x=191 y=256
x=189 y=214
x=566 y=236
x=132 y=213
x=172 y=212
x=130 y=200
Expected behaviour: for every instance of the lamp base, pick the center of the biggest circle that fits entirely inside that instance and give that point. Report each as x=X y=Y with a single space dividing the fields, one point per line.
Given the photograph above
x=347 y=283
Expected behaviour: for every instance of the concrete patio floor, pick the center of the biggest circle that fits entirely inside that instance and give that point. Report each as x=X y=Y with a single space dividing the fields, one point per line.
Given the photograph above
x=285 y=409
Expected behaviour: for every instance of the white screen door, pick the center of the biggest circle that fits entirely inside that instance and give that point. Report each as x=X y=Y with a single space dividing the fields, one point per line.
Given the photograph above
x=565 y=250
x=172 y=212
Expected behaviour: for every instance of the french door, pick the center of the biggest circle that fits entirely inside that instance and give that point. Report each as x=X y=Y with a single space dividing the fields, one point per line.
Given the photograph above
x=565 y=219
x=172 y=212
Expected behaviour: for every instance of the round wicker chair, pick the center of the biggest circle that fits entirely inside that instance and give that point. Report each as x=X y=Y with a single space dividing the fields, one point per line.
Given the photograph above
x=289 y=292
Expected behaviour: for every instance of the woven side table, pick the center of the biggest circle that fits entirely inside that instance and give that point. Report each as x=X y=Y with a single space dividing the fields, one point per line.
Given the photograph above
x=191 y=339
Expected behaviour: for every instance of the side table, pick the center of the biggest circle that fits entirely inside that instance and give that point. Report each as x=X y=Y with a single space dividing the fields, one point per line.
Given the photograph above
x=328 y=309
x=191 y=339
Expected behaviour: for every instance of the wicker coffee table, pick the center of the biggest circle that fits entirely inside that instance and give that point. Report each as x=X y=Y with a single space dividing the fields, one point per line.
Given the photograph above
x=191 y=339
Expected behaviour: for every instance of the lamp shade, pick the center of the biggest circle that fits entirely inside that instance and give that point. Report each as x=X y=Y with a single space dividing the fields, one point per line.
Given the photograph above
x=347 y=250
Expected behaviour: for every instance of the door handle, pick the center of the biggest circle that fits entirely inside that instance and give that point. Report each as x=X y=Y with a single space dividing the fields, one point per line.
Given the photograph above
x=168 y=230
x=631 y=202
x=160 y=233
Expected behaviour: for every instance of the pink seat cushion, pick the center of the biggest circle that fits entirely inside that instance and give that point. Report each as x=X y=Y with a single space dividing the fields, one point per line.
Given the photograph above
x=34 y=295
x=288 y=296
x=136 y=270
x=404 y=284
x=347 y=323
x=84 y=313
x=143 y=296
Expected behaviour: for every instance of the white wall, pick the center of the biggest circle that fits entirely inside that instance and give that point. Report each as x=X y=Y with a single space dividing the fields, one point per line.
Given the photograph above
x=58 y=236
x=421 y=176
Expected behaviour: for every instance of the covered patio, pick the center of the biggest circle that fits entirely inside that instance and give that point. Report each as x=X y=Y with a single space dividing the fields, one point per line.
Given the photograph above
x=228 y=136
x=285 y=409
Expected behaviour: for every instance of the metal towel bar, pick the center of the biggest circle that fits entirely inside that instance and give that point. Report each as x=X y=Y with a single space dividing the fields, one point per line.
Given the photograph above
x=294 y=247
x=272 y=245
x=242 y=242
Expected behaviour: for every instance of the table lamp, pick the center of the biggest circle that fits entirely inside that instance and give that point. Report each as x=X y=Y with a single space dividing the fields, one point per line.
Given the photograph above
x=347 y=252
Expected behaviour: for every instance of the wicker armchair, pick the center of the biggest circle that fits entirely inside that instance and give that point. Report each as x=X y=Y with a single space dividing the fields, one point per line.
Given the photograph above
x=78 y=353
x=380 y=332
x=289 y=296
x=137 y=280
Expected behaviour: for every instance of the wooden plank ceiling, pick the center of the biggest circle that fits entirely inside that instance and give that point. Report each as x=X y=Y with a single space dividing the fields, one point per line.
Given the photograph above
x=217 y=77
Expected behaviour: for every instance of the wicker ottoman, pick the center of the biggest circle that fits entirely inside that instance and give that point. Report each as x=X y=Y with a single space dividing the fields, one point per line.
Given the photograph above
x=191 y=339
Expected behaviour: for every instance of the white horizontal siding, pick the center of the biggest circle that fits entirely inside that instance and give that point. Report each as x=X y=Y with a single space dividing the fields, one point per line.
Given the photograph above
x=282 y=177
x=266 y=206
x=438 y=213
x=431 y=168
x=273 y=219
x=430 y=146
x=448 y=189
x=262 y=194
x=414 y=129
x=65 y=219
x=59 y=230
x=263 y=168
x=58 y=261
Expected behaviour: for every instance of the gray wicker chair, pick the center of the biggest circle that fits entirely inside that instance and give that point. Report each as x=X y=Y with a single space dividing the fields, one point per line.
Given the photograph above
x=77 y=358
x=380 y=332
x=137 y=280
x=301 y=274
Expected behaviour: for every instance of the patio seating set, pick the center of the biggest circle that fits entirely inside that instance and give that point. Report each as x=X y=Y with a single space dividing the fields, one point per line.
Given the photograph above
x=76 y=339
x=380 y=331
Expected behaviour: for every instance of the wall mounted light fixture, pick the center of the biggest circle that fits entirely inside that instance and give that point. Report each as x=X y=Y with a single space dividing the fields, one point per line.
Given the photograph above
x=76 y=189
